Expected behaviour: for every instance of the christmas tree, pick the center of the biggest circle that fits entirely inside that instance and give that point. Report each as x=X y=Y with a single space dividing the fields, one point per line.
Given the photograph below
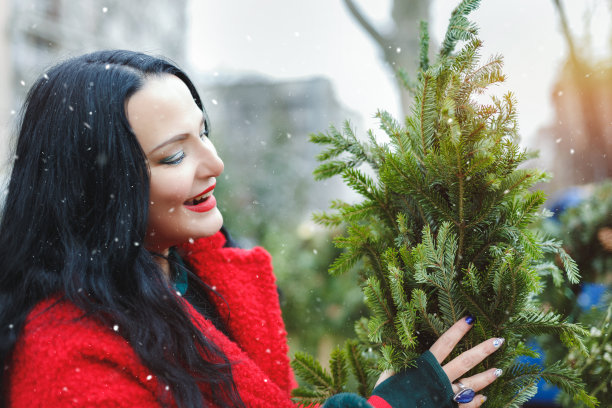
x=443 y=231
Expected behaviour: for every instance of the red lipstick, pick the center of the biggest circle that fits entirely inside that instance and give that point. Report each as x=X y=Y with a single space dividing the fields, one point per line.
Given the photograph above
x=207 y=204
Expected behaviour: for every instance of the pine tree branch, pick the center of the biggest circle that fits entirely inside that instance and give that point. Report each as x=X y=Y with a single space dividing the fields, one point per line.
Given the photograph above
x=426 y=131
x=310 y=369
x=422 y=193
x=358 y=368
x=476 y=308
x=339 y=369
x=461 y=198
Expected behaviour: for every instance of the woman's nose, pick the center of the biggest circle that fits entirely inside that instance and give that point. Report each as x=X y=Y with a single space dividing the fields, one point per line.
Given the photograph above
x=210 y=164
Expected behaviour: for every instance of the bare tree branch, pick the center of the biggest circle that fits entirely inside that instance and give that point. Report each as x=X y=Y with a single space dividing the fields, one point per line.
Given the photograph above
x=567 y=34
x=381 y=40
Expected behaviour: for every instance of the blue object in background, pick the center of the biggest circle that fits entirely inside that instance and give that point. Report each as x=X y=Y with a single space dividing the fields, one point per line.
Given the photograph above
x=568 y=198
x=546 y=393
x=591 y=295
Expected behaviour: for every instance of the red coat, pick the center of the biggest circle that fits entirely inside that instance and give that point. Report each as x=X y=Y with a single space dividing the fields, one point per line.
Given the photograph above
x=60 y=362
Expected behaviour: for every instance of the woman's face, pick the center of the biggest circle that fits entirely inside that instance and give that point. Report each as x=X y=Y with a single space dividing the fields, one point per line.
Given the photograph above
x=183 y=162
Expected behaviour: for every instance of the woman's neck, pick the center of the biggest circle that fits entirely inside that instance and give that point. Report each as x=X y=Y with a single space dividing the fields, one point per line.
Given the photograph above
x=162 y=261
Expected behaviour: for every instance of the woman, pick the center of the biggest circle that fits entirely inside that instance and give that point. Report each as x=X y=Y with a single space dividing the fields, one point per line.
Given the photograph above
x=118 y=287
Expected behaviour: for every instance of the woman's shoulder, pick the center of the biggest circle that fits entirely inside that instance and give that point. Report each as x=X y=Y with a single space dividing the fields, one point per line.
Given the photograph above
x=211 y=256
x=70 y=358
x=61 y=327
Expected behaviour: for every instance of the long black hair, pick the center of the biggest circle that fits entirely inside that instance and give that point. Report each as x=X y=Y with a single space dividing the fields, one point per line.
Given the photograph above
x=75 y=219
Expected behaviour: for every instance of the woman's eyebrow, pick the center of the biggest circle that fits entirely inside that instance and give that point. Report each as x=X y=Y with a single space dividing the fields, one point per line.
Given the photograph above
x=175 y=139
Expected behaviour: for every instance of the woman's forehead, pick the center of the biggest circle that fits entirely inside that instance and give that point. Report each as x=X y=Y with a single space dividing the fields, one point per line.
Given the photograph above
x=162 y=108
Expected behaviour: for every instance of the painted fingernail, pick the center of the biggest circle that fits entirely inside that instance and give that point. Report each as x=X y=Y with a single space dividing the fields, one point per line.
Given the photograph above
x=469 y=319
x=482 y=400
x=498 y=372
x=498 y=342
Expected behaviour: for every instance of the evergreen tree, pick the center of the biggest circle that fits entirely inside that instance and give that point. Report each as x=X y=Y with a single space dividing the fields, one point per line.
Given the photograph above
x=442 y=231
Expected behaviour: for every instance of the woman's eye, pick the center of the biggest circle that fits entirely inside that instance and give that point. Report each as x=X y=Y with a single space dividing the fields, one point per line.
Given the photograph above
x=206 y=128
x=204 y=133
x=174 y=159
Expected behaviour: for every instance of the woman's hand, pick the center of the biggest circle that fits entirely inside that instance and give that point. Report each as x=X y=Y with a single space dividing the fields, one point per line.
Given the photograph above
x=467 y=360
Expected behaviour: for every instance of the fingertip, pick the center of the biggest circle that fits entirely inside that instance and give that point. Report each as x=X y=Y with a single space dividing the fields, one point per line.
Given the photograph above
x=469 y=319
x=481 y=399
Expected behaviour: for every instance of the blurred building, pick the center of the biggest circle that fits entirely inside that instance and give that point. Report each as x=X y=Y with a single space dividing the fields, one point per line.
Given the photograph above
x=261 y=129
x=38 y=33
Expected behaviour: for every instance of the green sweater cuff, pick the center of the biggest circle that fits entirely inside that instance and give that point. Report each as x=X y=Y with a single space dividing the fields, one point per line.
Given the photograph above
x=425 y=385
x=346 y=400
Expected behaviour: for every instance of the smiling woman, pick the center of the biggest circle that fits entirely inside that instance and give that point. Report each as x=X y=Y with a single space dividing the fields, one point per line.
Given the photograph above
x=118 y=280
x=183 y=163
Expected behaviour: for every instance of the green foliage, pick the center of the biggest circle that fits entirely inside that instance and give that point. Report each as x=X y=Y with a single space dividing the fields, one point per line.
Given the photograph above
x=584 y=230
x=442 y=227
x=321 y=384
x=594 y=368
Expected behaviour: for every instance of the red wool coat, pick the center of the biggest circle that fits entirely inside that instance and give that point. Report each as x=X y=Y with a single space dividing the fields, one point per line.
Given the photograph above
x=58 y=362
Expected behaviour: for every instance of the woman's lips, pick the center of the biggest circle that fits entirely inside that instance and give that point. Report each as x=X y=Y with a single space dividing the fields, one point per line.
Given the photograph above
x=204 y=206
x=205 y=201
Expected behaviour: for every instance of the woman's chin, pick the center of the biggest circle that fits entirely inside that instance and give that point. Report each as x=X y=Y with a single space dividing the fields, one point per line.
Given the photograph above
x=187 y=231
x=212 y=225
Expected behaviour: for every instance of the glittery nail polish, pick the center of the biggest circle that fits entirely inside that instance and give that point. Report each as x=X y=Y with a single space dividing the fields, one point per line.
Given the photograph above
x=470 y=319
x=498 y=342
x=498 y=372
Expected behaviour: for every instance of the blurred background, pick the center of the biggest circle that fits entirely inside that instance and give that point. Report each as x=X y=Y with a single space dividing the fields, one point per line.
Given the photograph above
x=272 y=72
